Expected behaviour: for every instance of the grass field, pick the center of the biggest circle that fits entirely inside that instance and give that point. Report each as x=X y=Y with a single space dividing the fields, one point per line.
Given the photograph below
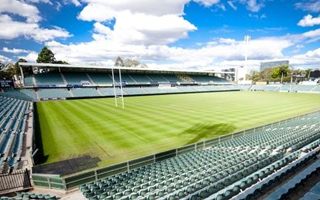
x=151 y=124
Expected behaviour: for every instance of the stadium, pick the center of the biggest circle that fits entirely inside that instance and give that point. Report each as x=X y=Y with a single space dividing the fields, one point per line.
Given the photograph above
x=132 y=133
x=159 y=100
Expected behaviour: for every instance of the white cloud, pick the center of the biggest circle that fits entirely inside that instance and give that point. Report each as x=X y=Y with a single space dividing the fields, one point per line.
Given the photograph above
x=310 y=6
x=14 y=50
x=39 y=1
x=45 y=34
x=218 y=52
x=4 y=59
x=310 y=58
x=207 y=3
x=257 y=16
x=31 y=56
x=102 y=29
x=148 y=29
x=138 y=22
x=30 y=12
x=253 y=5
x=27 y=27
x=311 y=34
x=75 y=2
x=308 y=20
x=231 y=4
x=28 y=30
x=224 y=49
x=101 y=10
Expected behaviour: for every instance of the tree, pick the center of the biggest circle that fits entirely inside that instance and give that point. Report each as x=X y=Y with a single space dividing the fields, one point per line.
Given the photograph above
x=280 y=72
x=307 y=73
x=8 y=71
x=131 y=63
x=2 y=65
x=284 y=71
x=46 y=56
x=119 y=62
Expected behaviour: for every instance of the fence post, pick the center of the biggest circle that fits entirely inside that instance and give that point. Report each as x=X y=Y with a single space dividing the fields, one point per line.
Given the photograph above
x=49 y=183
x=95 y=175
x=28 y=177
x=64 y=184
x=128 y=166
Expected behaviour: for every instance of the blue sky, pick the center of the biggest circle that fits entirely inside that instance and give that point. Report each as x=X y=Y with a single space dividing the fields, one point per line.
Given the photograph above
x=167 y=33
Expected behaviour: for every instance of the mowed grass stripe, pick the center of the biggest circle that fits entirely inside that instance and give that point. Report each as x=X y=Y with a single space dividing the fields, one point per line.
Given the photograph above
x=126 y=137
x=150 y=124
x=119 y=115
x=99 y=112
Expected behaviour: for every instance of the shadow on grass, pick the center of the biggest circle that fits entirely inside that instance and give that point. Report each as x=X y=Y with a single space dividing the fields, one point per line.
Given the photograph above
x=39 y=157
x=207 y=130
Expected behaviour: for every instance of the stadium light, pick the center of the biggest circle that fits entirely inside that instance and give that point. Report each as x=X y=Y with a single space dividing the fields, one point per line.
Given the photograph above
x=246 y=40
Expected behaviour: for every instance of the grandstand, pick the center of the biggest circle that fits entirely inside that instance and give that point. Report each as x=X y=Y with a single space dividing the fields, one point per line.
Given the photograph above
x=14 y=116
x=226 y=145
x=221 y=172
x=63 y=75
x=65 y=81
x=287 y=88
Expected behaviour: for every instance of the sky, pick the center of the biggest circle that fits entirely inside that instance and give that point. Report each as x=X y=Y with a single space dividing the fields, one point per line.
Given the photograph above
x=175 y=34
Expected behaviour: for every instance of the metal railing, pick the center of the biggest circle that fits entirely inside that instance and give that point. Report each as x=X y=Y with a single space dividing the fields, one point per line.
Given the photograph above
x=15 y=181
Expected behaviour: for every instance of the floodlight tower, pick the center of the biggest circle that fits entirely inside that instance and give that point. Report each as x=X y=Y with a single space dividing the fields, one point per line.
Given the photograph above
x=246 y=40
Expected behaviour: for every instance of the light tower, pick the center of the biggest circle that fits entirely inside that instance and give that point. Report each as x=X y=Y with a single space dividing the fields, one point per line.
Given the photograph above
x=246 y=41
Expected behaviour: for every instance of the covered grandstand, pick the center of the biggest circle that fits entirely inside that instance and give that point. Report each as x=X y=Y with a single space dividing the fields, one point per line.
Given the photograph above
x=51 y=81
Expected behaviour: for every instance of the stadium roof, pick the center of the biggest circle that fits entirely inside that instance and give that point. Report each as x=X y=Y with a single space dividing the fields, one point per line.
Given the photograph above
x=88 y=67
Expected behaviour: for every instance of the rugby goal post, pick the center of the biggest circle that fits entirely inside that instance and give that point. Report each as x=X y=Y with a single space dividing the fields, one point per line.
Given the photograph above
x=114 y=83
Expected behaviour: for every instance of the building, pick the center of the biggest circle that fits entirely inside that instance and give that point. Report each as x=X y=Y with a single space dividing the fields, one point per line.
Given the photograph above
x=272 y=64
x=315 y=74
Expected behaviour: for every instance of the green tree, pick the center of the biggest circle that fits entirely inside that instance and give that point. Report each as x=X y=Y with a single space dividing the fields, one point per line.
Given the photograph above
x=280 y=72
x=46 y=56
x=307 y=73
x=2 y=65
x=284 y=71
x=119 y=62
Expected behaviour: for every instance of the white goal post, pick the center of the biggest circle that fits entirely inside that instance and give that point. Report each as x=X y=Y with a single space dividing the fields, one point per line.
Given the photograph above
x=114 y=83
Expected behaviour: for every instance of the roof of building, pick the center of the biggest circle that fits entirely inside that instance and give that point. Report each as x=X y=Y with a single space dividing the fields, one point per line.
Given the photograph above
x=108 y=68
